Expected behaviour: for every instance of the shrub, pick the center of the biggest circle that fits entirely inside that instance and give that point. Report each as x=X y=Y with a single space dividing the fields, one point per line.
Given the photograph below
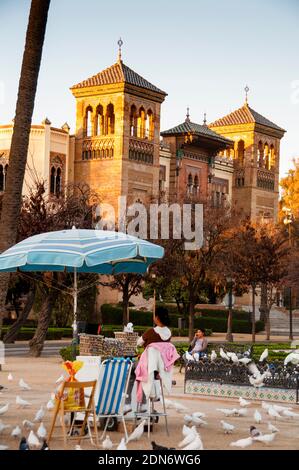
x=67 y=353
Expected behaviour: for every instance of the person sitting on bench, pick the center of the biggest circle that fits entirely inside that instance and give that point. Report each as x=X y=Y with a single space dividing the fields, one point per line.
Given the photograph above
x=199 y=343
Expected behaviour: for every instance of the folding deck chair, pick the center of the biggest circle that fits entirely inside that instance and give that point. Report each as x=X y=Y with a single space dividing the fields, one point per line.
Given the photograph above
x=113 y=384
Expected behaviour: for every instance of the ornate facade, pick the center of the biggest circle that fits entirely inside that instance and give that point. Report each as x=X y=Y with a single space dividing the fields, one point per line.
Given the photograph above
x=255 y=154
x=117 y=137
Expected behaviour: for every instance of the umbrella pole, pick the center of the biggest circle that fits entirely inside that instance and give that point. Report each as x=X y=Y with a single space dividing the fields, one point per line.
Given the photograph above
x=75 y=326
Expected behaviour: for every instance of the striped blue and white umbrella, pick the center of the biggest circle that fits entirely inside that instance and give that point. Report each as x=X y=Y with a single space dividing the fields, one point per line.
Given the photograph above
x=87 y=251
x=81 y=251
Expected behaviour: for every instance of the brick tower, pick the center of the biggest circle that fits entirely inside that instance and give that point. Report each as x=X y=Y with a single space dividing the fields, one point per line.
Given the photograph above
x=256 y=160
x=118 y=133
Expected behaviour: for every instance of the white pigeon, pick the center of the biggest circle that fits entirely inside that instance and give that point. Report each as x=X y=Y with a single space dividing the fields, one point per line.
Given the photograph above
x=293 y=357
x=242 y=443
x=189 y=356
x=213 y=355
x=188 y=439
x=3 y=447
x=257 y=417
x=188 y=419
x=196 y=444
x=241 y=412
x=50 y=405
x=227 y=411
x=273 y=413
x=266 y=405
x=223 y=354
x=266 y=438
x=245 y=360
x=107 y=443
x=122 y=445
x=234 y=358
x=41 y=431
x=264 y=355
x=198 y=414
x=244 y=402
x=289 y=414
x=22 y=403
x=4 y=409
x=137 y=433
x=3 y=426
x=28 y=424
x=78 y=447
x=16 y=432
x=175 y=405
x=39 y=415
x=228 y=428
x=252 y=367
x=33 y=440
x=258 y=382
x=198 y=421
x=196 y=356
x=23 y=385
x=280 y=408
x=60 y=379
x=272 y=428
x=10 y=377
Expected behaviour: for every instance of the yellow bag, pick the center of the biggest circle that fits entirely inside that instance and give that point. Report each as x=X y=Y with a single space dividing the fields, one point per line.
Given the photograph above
x=73 y=397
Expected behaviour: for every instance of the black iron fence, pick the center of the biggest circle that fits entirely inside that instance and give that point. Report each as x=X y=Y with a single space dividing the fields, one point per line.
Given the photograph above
x=224 y=372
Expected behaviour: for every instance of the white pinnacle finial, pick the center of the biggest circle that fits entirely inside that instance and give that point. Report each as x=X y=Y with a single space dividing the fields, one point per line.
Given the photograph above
x=120 y=43
x=246 y=89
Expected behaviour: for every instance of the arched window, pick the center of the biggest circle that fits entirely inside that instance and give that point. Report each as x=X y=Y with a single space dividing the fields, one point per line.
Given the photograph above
x=196 y=186
x=272 y=158
x=149 y=128
x=110 y=119
x=53 y=180
x=133 y=121
x=141 y=123
x=58 y=182
x=189 y=184
x=241 y=152
x=1 y=178
x=88 y=122
x=99 y=121
x=266 y=156
x=260 y=154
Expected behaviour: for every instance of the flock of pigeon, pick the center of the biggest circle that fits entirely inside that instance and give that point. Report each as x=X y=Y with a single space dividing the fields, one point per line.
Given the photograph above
x=256 y=378
x=32 y=434
x=192 y=440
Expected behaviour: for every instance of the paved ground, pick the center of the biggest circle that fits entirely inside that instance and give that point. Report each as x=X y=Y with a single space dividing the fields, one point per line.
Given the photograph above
x=41 y=375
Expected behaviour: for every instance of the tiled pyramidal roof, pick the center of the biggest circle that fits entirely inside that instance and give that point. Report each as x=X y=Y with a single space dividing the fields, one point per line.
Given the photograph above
x=194 y=128
x=118 y=73
x=244 y=115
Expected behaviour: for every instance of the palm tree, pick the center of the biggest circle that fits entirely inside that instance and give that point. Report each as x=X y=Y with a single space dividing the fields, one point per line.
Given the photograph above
x=11 y=203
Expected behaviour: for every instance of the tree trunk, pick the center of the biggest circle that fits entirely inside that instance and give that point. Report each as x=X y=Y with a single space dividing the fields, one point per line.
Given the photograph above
x=125 y=310
x=268 y=326
x=13 y=331
x=11 y=203
x=253 y=314
x=36 y=344
x=191 y=320
x=264 y=303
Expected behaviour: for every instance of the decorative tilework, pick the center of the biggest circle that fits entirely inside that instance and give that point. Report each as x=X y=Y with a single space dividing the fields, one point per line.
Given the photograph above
x=235 y=391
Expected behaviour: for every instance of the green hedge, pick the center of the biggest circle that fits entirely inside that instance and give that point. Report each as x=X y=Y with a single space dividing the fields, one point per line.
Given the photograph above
x=220 y=325
x=26 y=333
x=113 y=315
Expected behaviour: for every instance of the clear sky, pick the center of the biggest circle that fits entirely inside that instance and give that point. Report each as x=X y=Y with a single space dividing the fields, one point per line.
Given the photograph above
x=202 y=53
